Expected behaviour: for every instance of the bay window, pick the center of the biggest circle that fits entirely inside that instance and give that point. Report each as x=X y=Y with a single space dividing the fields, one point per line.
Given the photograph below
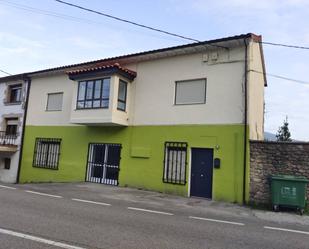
x=93 y=94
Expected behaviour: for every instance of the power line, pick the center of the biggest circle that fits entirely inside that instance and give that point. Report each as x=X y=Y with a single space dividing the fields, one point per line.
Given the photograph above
x=281 y=77
x=127 y=21
x=55 y=14
x=73 y=18
x=285 y=45
x=47 y=13
x=134 y=23
x=163 y=31
x=50 y=13
x=5 y=72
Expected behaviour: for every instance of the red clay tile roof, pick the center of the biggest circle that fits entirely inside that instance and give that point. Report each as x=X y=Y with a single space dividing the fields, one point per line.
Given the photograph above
x=254 y=37
x=97 y=67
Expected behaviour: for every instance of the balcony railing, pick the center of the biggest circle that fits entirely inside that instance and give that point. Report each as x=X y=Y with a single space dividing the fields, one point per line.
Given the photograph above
x=7 y=139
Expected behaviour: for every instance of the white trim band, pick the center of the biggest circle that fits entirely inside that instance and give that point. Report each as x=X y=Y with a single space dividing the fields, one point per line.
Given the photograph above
x=149 y=211
x=91 y=202
x=286 y=230
x=43 y=194
x=219 y=221
x=38 y=239
x=7 y=187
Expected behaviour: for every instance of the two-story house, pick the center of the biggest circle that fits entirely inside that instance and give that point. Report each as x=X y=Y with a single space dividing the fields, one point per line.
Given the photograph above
x=176 y=120
x=13 y=91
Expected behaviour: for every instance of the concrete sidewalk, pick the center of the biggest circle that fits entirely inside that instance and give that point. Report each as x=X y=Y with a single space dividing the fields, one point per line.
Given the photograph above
x=99 y=192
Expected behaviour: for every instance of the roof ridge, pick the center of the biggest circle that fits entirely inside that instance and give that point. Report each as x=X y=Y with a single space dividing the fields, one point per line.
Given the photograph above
x=132 y=55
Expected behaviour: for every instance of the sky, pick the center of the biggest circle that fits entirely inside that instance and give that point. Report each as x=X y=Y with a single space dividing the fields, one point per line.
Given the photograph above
x=31 y=40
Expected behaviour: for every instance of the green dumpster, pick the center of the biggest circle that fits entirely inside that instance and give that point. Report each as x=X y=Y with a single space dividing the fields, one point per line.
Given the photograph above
x=288 y=191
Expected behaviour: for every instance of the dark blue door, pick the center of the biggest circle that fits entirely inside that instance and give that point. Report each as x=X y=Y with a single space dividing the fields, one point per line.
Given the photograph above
x=201 y=172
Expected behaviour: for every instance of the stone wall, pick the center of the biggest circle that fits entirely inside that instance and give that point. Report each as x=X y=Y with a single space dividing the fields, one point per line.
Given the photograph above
x=267 y=158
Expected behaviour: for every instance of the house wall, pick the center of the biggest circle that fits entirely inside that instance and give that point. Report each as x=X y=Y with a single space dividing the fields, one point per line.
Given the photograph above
x=255 y=93
x=142 y=155
x=152 y=120
x=40 y=87
x=155 y=90
x=152 y=93
x=13 y=111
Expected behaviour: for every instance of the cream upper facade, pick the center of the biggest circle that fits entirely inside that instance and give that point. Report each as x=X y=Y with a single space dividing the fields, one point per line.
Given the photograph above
x=150 y=96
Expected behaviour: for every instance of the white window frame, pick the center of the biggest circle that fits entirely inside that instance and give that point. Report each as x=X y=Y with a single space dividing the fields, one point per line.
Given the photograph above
x=190 y=103
x=52 y=110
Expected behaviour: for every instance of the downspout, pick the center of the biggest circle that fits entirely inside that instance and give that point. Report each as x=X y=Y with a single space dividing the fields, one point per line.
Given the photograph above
x=23 y=129
x=245 y=122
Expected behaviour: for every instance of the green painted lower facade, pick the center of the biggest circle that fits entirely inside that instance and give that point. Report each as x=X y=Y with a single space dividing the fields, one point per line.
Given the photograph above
x=142 y=155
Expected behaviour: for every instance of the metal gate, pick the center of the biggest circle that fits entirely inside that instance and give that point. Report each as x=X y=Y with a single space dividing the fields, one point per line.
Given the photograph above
x=103 y=163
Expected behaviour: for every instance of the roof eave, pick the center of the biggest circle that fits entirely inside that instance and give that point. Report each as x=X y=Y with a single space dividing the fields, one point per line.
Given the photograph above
x=15 y=77
x=137 y=56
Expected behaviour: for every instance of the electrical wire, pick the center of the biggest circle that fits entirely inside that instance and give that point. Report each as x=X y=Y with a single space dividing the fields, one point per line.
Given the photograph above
x=60 y=15
x=284 y=45
x=134 y=23
x=47 y=13
x=5 y=72
x=127 y=21
x=73 y=18
x=281 y=77
x=68 y=17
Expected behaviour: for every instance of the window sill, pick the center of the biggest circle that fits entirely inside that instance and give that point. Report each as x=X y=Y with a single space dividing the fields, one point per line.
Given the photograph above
x=190 y=104
x=12 y=103
x=44 y=167
x=53 y=110
x=121 y=110
x=90 y=108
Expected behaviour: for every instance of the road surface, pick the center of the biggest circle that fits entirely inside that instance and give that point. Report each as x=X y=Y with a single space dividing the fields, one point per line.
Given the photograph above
x=79 y=216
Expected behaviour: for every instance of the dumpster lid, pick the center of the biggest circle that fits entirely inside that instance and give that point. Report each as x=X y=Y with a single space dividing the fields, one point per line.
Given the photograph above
x=289 y=178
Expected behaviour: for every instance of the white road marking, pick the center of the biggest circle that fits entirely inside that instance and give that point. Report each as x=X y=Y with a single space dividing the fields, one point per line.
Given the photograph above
x=3 y=186
x=39 y=193
x=149 y=211
x=219 y=221
x=286 y=230
x=92 y=202
x=38 y=239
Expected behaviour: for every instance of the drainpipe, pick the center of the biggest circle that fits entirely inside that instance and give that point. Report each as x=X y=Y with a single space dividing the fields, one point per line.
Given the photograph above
x=245 y=122
x=23 y=129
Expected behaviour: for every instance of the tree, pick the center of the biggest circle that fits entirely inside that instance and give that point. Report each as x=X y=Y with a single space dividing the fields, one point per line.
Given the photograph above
x=283 y=133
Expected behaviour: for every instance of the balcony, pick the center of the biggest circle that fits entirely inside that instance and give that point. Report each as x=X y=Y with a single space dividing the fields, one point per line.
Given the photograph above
x=8 y=142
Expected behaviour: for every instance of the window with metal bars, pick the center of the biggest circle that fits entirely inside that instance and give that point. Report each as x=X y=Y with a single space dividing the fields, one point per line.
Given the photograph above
x=175 y=162
x=46 y=153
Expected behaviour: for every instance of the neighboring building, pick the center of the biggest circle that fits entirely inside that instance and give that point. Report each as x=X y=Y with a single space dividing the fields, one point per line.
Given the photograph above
x=12 y=104
x=169 y=120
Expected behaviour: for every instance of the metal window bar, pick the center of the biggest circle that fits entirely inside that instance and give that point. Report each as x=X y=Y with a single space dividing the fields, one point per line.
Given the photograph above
x=175 y=162
x=7 y=139
x=101 y=168
x=46 y=153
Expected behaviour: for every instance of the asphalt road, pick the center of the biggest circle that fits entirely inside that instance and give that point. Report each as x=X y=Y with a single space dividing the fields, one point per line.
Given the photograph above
x=95 y=216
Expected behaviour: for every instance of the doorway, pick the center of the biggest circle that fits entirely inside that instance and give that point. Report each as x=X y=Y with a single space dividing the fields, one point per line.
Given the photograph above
x=201 y=172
